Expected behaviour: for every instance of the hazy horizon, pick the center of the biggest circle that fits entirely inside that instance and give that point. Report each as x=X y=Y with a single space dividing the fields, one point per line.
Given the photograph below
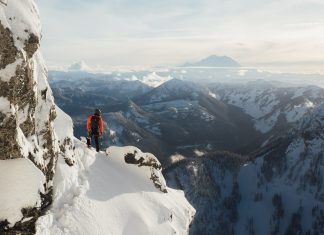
x=282 y=36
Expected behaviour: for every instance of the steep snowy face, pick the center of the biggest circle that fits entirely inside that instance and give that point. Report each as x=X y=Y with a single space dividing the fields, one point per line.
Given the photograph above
x=271 y=106
x=173 y=89
x=155 y=80
x=287 y=173
x=27 y=112
x=279 y=192
x=120 y=191
x=210 y=185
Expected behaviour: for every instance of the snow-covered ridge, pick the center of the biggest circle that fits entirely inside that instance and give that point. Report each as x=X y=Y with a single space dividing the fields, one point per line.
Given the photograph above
x=153 y=79
x=265 y=103
x=102 y=194
x=175 y=88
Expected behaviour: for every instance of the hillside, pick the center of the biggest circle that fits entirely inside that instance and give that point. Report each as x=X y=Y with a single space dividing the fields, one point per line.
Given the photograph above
x=181 y=116
x=279 y=190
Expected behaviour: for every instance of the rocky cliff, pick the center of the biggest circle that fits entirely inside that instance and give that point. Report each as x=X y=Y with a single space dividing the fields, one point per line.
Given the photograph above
x=27 y=109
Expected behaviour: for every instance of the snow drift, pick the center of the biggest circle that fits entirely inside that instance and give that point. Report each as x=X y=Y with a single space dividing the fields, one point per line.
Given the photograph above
x=102 y=194
x=22 y=182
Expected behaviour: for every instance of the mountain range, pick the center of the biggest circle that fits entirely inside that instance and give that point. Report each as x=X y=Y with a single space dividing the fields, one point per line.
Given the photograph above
x=247 y=154
x=183 y=116
x=277 y=190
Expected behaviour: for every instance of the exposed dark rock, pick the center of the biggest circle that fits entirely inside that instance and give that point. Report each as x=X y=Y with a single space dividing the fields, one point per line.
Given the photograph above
x=20 y=91
x=30 y=216
x=22 y=87
x=43 y=93
x=131 y=158
x=67 y=144
x=8 y=51
x=28 y=127
x=31 y=45
x=3 y=226
x=50 y=155
x=52 y=114
x=9 y=147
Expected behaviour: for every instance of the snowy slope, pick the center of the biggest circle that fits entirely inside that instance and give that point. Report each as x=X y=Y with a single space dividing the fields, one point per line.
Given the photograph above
x=27 y=181
x=267 y=104
x=279 y=191
x=172 y=89
x=154 y=80
x=103 y=194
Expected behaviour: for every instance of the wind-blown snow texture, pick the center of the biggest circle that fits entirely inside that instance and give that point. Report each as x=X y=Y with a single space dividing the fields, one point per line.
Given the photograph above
x=103 y=194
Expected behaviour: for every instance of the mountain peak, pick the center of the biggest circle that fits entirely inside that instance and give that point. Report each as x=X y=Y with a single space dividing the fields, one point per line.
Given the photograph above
x=214 y=61
x=179 y=84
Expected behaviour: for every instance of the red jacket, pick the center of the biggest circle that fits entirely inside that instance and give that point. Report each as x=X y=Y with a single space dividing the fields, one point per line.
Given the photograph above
x=100 y=124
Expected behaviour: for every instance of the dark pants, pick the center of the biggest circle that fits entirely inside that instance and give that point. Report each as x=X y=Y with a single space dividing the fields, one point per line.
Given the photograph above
x=96 y=139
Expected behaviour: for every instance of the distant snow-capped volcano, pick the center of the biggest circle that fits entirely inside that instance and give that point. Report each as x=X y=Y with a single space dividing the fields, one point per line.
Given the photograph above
x=214 y=61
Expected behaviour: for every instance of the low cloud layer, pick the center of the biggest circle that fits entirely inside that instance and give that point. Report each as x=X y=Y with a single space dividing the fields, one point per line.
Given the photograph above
x=286 y=34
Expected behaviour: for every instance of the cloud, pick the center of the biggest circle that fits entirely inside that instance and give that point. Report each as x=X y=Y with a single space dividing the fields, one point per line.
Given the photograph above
x=79 y=66
x=148 y=32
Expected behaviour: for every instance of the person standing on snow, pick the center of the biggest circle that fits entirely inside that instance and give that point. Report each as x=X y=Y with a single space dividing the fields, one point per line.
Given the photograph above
x=95 y=128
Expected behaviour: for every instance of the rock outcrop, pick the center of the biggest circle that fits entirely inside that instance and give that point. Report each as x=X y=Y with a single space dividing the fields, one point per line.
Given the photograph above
x=27 y=109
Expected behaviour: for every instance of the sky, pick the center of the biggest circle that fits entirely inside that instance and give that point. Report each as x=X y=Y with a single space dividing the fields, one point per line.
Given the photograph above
x=285 y=35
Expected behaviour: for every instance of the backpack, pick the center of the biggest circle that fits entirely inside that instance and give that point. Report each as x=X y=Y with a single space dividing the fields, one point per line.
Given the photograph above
x=95 y=123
